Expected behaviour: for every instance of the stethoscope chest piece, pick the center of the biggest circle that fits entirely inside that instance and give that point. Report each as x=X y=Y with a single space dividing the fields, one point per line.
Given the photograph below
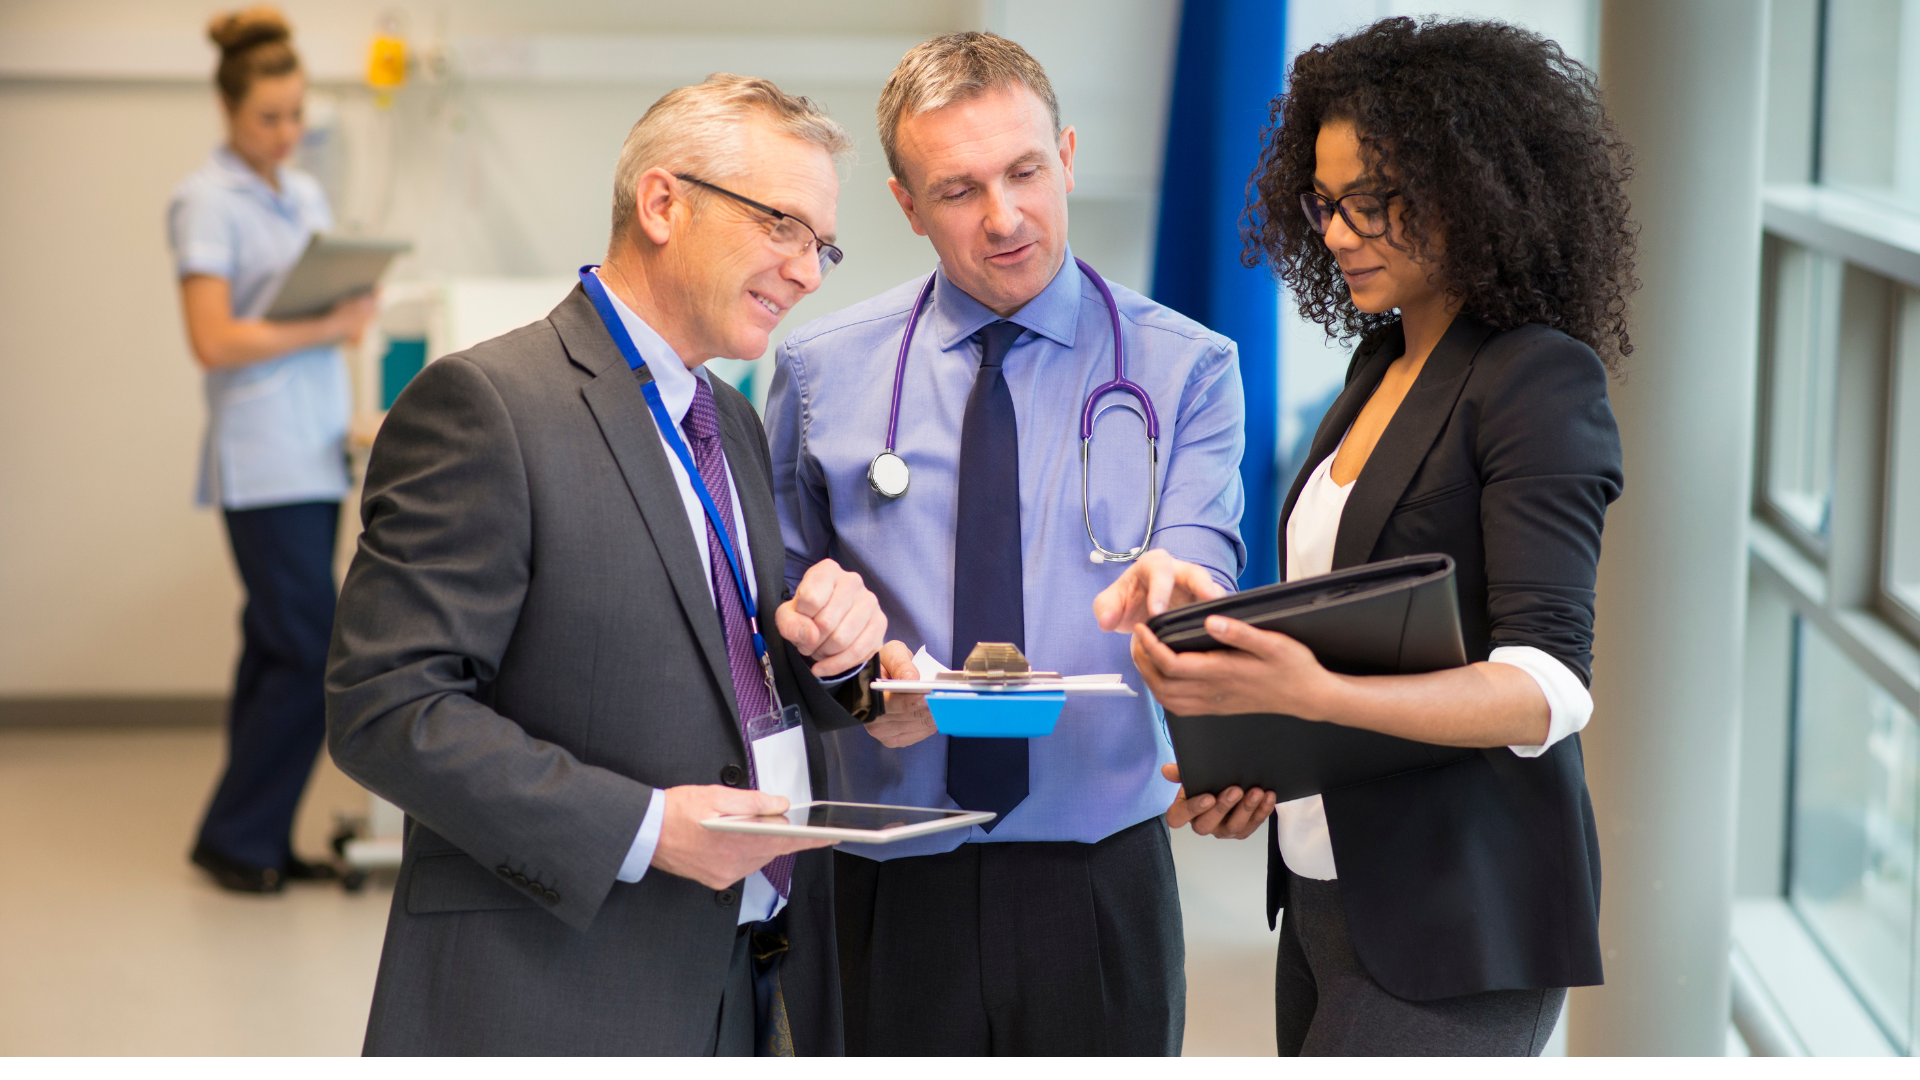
x=888 y=474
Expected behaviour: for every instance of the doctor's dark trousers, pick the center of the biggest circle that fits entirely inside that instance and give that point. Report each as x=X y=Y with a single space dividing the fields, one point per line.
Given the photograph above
x=1022 y=949
x=278 y=717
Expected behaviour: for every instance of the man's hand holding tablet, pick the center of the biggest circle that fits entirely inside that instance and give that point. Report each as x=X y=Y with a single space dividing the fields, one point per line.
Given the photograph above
x=686 y=850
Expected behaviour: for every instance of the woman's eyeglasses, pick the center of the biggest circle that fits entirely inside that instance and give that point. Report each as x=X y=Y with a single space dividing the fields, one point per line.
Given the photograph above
x=790 y=236
x=1365 y=212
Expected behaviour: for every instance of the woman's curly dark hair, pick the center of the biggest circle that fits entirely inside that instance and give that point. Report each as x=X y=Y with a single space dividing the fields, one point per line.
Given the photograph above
x=1497 y=143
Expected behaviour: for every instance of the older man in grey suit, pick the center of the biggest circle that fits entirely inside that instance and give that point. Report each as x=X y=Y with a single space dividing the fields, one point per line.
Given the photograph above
x=543 y=655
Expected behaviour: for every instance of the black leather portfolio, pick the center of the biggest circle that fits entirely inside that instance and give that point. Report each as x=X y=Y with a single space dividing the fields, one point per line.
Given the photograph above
x=1394 y=617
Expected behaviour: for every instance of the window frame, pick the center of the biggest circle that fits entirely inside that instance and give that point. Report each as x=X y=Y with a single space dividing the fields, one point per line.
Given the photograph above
x=1776 y=249
x=1900 y=518
x=1845 y=586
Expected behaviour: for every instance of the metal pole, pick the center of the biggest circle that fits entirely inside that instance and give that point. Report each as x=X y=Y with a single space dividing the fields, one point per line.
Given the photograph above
x=1685 y=83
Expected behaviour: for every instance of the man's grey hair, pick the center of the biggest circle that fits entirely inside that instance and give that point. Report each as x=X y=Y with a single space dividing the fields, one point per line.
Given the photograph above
x=953 y=68
x=700 y=130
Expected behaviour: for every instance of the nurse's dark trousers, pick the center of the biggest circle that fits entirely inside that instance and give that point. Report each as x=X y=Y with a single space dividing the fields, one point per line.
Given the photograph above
x=278 y=716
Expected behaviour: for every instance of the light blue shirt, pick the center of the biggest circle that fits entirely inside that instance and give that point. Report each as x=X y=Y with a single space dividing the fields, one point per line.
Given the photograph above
x=276 y=430
x=759 y=900
x=1099 y=772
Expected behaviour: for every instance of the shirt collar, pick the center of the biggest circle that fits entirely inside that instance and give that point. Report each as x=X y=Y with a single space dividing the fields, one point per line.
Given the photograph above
x=670 y=373
x=239 y=175
x=1054 y=314
x=230 y=171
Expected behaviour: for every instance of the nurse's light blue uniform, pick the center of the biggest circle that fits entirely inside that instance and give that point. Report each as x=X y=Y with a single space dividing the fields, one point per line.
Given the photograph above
x=276 y=430
x=274 y=461
x=1099 y=772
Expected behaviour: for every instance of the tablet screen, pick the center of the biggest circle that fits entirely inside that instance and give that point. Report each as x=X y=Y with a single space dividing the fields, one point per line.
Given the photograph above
x=872 y=818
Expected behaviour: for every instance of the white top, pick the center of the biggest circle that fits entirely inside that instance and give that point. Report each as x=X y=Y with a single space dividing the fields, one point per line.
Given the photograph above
x=1311 y=530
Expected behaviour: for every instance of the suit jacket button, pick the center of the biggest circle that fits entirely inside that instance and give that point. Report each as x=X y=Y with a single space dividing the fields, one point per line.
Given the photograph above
x=550 y=897
x=520 y=880
x=733 y=776
x=724 y=898
x=504 y=871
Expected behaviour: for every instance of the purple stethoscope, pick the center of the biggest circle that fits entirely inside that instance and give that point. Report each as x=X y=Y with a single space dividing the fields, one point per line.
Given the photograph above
x=888 y=475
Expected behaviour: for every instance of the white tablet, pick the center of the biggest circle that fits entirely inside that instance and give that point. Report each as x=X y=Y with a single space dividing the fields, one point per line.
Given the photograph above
x=331 y=269
x=862 y=823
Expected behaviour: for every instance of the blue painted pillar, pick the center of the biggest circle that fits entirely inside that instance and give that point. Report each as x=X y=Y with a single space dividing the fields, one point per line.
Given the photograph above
x=1231 y=64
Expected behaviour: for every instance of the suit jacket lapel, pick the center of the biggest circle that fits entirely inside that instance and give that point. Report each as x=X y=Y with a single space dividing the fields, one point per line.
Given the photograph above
x=1364 y=374
x=625 y=422
x=1409 y=435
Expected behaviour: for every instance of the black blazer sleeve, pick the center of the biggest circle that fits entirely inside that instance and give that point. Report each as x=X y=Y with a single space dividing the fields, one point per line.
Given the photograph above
x=1549 y=458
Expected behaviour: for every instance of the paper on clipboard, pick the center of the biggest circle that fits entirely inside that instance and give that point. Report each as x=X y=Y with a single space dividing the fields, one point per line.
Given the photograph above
x=930 y=683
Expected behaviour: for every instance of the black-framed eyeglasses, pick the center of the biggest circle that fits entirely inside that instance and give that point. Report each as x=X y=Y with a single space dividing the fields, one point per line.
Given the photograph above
x=790 y=237
x=1365 y=212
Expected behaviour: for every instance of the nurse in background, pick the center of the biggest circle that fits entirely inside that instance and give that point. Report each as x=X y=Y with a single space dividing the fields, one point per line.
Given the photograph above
x=274 y=458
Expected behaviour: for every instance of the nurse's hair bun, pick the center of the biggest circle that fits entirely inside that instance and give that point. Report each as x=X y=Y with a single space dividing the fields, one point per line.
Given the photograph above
x=254 y=43
x=238 y=31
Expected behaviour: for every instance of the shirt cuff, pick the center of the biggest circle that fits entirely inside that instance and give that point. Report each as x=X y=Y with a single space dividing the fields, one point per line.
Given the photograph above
x=646 y=841
x=836 y=680
x=1569 y=704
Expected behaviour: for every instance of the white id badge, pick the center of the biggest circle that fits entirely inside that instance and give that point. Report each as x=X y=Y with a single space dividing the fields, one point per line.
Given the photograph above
x=779 y=749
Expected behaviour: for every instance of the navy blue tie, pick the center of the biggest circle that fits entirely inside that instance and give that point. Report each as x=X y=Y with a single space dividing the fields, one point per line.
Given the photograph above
x=988 y=774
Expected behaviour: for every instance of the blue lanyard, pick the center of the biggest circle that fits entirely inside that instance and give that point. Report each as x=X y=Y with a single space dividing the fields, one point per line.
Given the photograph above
x=668 y=431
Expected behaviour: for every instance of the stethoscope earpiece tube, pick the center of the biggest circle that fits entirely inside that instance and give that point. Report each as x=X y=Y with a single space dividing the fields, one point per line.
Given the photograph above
x=888 y=475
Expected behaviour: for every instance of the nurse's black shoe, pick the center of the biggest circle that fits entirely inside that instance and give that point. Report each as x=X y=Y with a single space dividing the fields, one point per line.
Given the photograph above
x=298 y=870
x=238 y=877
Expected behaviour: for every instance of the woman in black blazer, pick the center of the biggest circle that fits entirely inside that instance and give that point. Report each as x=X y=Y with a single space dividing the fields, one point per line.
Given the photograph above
x=1452 y=194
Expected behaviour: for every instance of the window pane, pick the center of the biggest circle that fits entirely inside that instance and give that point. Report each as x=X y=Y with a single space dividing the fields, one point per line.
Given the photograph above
x=1870 y=124
x=1800 y=406
x=1856 y=790
x=1793 y=64
x=1903 y=511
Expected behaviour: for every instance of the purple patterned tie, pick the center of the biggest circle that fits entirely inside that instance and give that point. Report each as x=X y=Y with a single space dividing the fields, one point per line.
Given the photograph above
x=702 y=425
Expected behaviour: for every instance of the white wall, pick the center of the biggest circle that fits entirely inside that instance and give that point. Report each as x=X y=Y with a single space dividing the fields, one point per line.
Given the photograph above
x=110 y=582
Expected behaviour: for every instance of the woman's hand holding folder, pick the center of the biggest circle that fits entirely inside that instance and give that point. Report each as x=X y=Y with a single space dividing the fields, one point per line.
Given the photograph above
x=1256 y=673
x=1259 y=671
x=1480 y=705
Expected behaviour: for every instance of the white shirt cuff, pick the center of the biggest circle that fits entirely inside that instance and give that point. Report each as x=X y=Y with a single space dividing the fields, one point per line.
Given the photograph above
x=1569 y=705
x=836 y=680
x=759 y=900
x=646 y=841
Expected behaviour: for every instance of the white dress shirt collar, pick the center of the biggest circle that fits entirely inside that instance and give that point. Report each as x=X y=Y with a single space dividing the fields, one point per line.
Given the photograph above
x=670 y=373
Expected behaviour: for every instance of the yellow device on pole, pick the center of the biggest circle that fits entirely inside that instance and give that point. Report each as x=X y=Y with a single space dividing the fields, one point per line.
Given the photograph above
x=386 y=67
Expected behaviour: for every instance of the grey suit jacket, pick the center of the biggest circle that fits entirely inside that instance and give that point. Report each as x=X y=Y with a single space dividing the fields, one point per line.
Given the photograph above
x=525 y=650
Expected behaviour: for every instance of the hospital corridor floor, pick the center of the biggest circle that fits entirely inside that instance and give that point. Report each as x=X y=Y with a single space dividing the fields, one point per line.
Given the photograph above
x=114 y=944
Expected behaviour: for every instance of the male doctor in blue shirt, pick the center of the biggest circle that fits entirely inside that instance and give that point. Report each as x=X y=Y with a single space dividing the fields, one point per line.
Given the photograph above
x=1054 y=929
